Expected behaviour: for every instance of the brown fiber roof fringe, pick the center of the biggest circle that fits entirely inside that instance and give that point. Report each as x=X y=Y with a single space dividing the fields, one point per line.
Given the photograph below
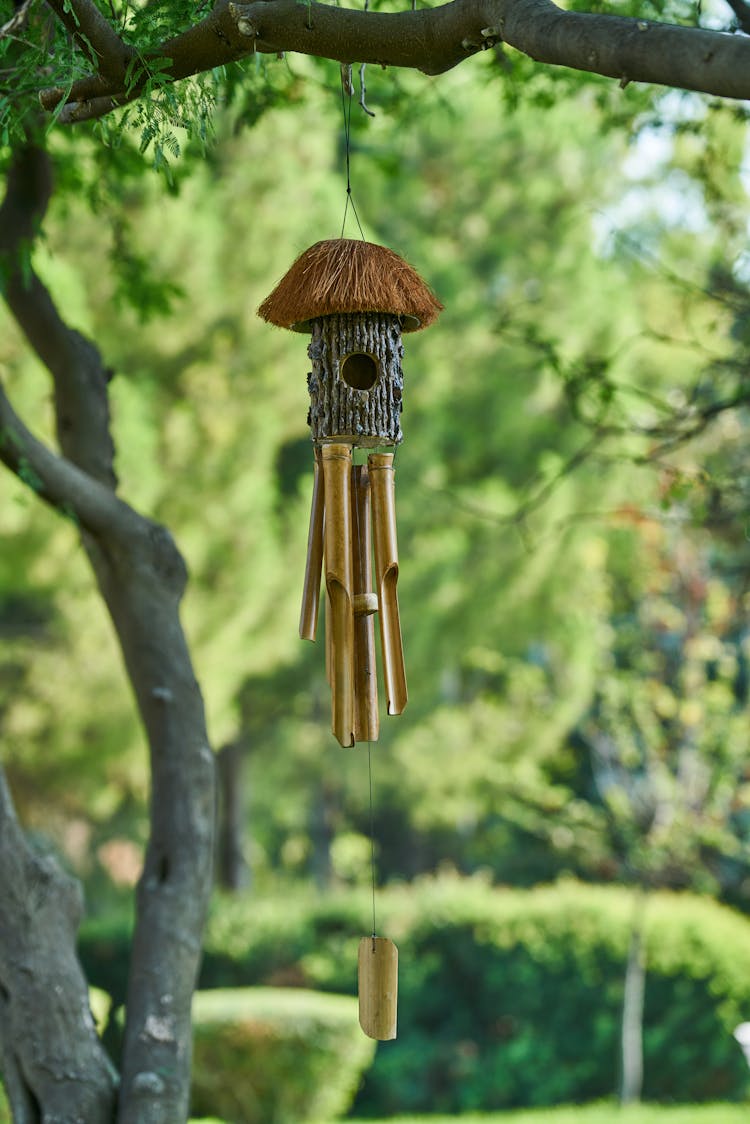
x=347 y=275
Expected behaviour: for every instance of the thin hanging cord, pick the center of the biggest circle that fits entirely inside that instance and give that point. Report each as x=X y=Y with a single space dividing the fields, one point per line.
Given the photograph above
x=368 y=671
x=372 y=838
x=347 y=90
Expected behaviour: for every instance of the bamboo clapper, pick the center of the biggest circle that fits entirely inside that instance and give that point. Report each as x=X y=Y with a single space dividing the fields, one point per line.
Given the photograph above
x=378 y=987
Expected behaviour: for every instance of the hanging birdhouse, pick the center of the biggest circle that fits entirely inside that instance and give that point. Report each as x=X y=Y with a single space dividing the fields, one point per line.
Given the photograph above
x=355 y=299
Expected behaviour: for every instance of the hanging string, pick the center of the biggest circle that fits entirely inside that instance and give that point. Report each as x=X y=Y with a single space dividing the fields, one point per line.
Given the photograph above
x=372 y=838
x=347 y=92
x=359 y=530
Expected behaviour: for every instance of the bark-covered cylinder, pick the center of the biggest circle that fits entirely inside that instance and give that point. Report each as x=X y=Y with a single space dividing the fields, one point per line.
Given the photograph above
x=356 y=381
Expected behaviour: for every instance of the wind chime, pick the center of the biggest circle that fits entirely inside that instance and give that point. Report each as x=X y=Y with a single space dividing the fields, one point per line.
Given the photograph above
x=356 y=299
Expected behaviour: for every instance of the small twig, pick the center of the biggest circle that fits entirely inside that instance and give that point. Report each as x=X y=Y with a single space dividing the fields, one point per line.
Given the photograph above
x=362 y=87
x=16 y=22
x=95 y=36
x=363 y=90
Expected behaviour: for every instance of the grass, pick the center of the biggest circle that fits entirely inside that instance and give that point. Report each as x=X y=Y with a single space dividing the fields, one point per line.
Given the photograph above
x=606 y=1113
x=609 y=1113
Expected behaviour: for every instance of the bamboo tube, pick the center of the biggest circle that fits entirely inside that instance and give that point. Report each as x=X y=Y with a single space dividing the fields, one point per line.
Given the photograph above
x=329 y=641
x=308 y=620
x=378 y=987
x=386 y=578
x=337 y=466
x=366 y=726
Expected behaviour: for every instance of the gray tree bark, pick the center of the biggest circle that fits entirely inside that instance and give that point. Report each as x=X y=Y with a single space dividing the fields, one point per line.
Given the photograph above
x=141 y=576
x=50 y=1057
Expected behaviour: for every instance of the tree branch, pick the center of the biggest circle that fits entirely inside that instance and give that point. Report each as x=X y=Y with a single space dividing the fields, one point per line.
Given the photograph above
x=16 y=21
x=59 y=482
x=95 y=36
x=80 y=376
x=27 y=195
x=434 y=40
x=631 y=50
x=141 y=575
x=214 y=41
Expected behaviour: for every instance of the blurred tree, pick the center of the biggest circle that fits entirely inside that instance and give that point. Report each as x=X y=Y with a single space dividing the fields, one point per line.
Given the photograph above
x=667 y=733
x=668 y=741
x=141 y=576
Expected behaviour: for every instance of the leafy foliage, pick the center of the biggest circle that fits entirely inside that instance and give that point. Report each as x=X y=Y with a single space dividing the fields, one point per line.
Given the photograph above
x=666 y=731
x=517 y=532
x=586 y=387
x=506 y=997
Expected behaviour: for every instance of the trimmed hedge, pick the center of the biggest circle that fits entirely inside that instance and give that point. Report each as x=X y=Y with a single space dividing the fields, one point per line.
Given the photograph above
x=271 y=1056
x=509 y=998
x=276 y=1056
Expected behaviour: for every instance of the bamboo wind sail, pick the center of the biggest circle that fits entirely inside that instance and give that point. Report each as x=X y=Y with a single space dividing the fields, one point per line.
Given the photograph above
x=378 y=987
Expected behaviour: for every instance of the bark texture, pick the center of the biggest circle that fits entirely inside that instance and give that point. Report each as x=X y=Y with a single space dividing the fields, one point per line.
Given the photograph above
x=141 y=576
x=368 y=417
x=431 y=40
x=51 y=1060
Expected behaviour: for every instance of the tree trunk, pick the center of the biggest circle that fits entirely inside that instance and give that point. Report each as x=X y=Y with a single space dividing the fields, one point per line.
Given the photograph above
x=141 y=576
x=52 y=1062
x=632 y=1008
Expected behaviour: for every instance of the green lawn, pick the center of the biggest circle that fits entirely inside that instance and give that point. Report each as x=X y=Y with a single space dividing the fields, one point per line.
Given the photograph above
x=594 y=1114
x=608 y=1113
x=585 y=1114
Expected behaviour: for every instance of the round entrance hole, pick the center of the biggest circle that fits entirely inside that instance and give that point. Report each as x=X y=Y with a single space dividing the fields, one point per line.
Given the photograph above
x=359 y=370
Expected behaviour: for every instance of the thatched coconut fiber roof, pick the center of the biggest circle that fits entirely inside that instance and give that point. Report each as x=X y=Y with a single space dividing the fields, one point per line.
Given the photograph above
x=347 y=275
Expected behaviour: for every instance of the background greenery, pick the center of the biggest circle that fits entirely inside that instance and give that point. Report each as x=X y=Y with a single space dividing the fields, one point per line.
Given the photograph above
x=507 y=997
x=574 y=561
